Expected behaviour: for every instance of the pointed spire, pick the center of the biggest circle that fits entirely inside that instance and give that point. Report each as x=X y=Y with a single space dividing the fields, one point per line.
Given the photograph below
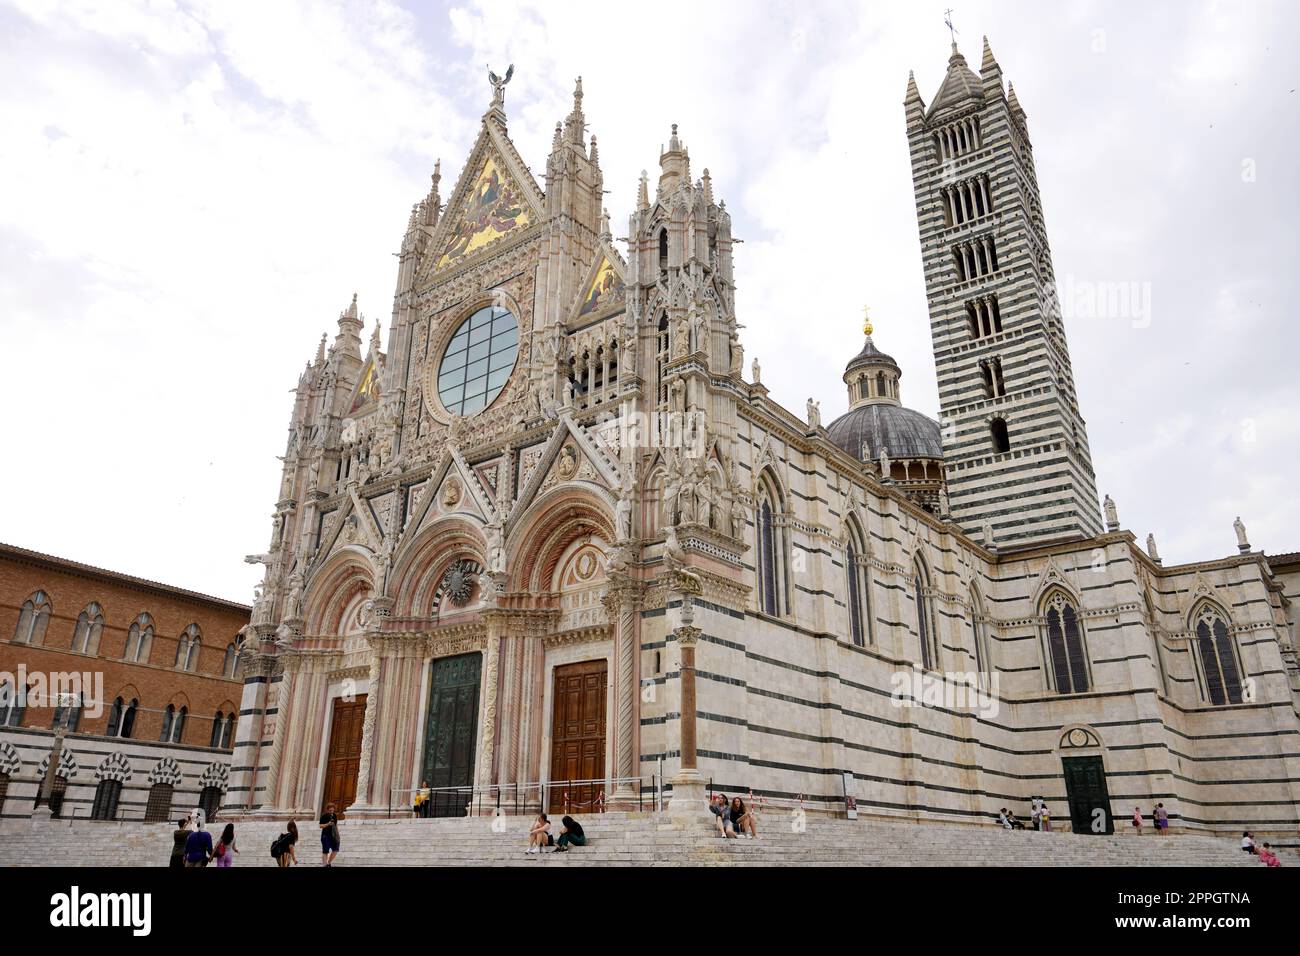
x=643 y=192
x=576 y=122
x=374 y=340
x=594 y=155
x=674 y=166
x=320 y=349
x=913 y=105
x=987 y=62
x=351 y=312
x=558 y=139
x=1012 y=101
x=707 y=183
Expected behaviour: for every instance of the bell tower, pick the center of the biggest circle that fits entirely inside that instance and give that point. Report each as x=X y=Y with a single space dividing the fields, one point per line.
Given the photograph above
x=1015 y=448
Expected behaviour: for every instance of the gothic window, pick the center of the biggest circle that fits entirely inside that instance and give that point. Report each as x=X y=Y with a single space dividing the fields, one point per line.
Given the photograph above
x=121 y=717
x=178 y=725
x=1157 y=658
x=139 y=639
x=228 y=732
x=169 y=718
x=859 y=588
x=979 y=635
x=57 y=790
x=999 y=436
x=478 y=360
x=924 y=618
x=187 y=648
x=661 y=359
x=32 y=619
x=68 y=715
x=106 y=796
x=1220 y=671
x=1067 y=651
x=217 y=721
x=994 y=387
x=210 y=802
x=663 y=250
x=771 y=551
x=230 y=662
x=11 y=705
x=159 y=807
x=90 y=625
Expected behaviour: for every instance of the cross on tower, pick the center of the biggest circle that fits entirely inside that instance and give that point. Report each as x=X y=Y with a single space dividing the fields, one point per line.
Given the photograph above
x=947 y=21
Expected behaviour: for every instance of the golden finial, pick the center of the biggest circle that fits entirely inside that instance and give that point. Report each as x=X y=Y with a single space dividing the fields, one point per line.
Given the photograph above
x=866 y=320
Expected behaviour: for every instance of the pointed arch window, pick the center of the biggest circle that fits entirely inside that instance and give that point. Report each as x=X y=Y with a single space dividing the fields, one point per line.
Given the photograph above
x=773 y=576
x=1216 y=651
x=12 y=705
x=231 y=661
x=979 y=635
x=661 y=360
x=663 y=249
x=924 y=619
x=217 y=722
x=1067 y=651
x=121 y=718
x=1157 y=658
x=33 y=619
x=139 y=640
x=187 y=648
x=89 y=629
x=859 y=588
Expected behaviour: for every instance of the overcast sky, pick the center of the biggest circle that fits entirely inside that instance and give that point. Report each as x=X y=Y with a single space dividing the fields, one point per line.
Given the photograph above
x=190 y=193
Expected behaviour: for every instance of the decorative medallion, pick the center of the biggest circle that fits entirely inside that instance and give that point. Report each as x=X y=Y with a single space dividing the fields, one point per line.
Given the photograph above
x=567 y=466
x=458 y=582
x=451 y=492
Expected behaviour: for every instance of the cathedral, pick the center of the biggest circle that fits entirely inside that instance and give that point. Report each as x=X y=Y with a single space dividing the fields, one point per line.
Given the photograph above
x=551 y=543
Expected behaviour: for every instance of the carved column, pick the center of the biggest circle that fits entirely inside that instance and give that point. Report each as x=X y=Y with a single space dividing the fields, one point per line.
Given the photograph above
x=688 y=797
x=363 y=803
x=486 y=770
x=623 y=603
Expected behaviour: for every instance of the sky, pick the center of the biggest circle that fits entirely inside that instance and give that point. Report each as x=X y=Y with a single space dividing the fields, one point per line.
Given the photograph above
x=191 y=192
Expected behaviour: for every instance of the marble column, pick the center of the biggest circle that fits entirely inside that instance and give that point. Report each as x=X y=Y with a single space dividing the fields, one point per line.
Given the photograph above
x=688 y=797
x=623 y=604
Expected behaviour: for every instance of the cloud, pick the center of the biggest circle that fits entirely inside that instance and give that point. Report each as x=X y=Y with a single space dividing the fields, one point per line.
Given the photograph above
x=202 y=186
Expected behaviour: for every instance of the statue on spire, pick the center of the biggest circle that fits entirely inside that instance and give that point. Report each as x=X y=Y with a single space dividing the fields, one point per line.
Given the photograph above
x=499 y=86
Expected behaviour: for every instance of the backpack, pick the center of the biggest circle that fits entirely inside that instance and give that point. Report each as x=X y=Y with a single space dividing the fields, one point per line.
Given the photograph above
x=221 y=850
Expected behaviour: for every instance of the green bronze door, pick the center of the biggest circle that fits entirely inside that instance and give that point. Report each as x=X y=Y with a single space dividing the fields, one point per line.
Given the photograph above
x=450 y=732
x=1085 y=788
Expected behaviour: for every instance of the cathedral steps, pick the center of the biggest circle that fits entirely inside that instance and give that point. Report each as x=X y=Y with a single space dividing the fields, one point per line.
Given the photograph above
x=618 y=839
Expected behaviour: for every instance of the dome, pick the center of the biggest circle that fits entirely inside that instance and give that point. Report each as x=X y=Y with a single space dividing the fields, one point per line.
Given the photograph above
x=870 y=356
x=902 y=432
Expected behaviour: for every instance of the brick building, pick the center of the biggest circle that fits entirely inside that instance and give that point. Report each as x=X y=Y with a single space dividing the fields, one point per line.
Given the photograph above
x=157 y=666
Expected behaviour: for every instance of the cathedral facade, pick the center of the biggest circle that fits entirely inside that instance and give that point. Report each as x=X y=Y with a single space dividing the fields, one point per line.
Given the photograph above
x=556 y=538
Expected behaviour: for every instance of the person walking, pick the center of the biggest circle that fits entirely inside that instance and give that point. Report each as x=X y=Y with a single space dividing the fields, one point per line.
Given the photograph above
x=1162 y=819
x=198 y=846
x=1046 y=818
x=283 y=847
x=225 y=850
x=1137 y=820
x=329 y=836
x=1036 y=813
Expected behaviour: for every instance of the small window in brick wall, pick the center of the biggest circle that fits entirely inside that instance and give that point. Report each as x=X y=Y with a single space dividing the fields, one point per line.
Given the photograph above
x=159 y=807
x=210 y=802
x=106 y=796
x=56 y=796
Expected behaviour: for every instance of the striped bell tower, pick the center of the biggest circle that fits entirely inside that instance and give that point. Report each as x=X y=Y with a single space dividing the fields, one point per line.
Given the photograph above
x=1016 y=455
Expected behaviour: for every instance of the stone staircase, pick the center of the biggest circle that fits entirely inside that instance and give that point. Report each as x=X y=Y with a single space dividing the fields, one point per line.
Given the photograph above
x=626 y=839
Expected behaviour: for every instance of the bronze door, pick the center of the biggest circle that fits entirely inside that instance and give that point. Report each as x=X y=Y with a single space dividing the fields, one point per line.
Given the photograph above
x=343 y=758
x=578 y=737
x=451 y=732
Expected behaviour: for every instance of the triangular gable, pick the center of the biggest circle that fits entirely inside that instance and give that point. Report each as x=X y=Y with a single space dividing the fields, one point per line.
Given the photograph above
x=366 y=396
x=605 y=288
x=496 y=195
x=601 y=465
x=473 y=499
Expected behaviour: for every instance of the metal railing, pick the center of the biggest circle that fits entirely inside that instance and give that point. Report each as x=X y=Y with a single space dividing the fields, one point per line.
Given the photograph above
x=569 y=796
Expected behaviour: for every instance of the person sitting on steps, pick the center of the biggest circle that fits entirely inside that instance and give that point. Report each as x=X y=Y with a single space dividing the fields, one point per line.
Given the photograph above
x=742 y=818
x=718 y=806
x=540 y=835
x=571 y=834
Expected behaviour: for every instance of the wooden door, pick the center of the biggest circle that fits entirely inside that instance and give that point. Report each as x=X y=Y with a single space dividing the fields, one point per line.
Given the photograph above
x=343 y=758
x=578 y=736
x=451 y=732
x=1085 y=789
